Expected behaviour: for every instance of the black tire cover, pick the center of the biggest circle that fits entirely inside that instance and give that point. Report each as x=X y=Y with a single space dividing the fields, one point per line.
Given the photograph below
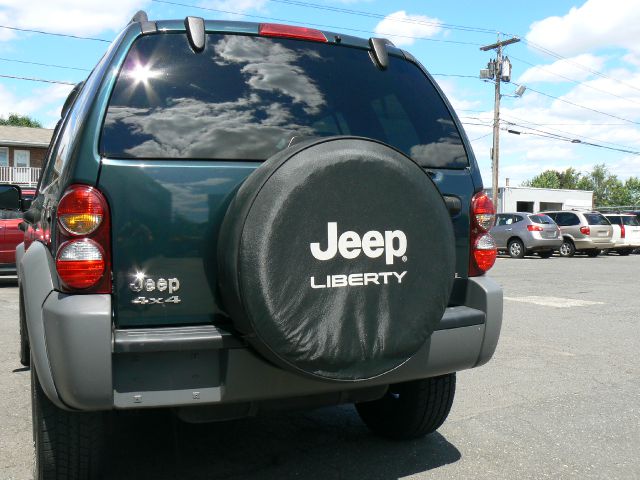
x=316 y=316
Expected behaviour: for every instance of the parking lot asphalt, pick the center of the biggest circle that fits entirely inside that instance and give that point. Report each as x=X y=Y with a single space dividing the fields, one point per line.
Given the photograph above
x=560 y=399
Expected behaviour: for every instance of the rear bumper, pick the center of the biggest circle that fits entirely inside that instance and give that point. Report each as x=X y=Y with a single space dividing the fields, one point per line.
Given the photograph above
x=97 y=368
x=589 y=244
x=542 y=244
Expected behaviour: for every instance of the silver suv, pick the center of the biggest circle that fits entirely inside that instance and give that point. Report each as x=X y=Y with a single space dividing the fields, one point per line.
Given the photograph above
x=586 y=232
x=522 y=233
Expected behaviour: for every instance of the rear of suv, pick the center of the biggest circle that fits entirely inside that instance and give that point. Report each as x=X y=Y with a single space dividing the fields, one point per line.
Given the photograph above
x=626 y=232
x=583 y=232
x=522 y=233
x=236 y=217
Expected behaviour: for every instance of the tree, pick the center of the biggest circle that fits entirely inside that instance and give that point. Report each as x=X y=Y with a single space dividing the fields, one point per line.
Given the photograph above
x=16 y=120
x=547 y=179
x=607 y=189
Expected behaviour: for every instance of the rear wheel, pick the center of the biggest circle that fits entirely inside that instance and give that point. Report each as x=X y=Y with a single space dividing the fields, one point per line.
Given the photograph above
x=567 y=249
x=593 y=253
x=411 y=409
x=68 y=445
x=516 y=249
x=625 y=251
x=545 y=254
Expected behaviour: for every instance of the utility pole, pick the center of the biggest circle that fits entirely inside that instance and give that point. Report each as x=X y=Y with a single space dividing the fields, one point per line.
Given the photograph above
x=500 y=70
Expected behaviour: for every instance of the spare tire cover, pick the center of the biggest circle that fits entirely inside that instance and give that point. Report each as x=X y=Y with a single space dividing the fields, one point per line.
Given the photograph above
x=336 y=258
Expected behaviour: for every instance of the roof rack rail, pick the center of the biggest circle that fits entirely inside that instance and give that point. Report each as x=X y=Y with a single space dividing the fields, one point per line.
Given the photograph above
x=140 y=16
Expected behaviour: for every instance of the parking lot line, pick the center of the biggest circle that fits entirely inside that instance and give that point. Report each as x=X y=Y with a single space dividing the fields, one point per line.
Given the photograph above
x=556 y=302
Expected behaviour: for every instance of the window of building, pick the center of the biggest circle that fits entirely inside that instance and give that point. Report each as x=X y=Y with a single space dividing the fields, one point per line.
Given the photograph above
x=4 y=157
x=21 y=158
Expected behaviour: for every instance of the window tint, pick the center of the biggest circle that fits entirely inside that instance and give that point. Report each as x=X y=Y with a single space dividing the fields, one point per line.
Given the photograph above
x=245 y=97
x=631 y=221
x=567 y=219
x=543 y=219
x=596 y=219
x=615 y=220
x=517 y=218
x=504 y=220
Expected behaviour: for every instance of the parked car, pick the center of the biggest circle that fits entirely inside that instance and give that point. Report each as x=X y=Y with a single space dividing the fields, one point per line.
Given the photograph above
x=11 y=235
x=522 y=233
x=584 y=232
x=626 y=232
x=246 y=217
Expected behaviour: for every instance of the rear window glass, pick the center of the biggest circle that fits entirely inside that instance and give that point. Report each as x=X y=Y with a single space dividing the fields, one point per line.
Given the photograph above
x=542 y=219
x=615 y=220
x=246 y=97
x=631 y=221
x=596 y=219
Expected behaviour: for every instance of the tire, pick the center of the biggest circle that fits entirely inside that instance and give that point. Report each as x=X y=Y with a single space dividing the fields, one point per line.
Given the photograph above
x=68 y=445
x=567 y=249
x=545 y=254
x=25 y=356
x=624 y=252
x=593 y=253
x=279 y=263
x=412 y=409
x=516 y=249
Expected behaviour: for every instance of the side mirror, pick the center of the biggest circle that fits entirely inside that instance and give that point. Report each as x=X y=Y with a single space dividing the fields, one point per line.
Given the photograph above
x=22 y=226
x=26 y=203
x=10 y=197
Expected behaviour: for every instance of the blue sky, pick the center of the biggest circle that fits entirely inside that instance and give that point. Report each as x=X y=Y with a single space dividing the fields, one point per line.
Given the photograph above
x=585 y=54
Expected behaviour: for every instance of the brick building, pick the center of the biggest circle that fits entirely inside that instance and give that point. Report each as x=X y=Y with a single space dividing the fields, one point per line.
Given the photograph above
x=22 y=151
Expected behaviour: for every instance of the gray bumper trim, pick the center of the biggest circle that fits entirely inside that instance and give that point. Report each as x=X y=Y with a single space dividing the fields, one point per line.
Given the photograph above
x=204 y=337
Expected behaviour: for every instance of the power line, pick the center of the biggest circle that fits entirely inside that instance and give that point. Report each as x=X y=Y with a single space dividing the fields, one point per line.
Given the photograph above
x=481 y=136
x=563 y=131
x=364 y=13
x=577 y=64
x=580 y=106
x=285 y=20
x=43 y=64
x=42 y=32
x=31 y=79
x=571 y=140
x=577 y=82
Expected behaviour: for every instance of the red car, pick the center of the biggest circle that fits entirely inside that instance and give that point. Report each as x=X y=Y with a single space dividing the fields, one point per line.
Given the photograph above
x=11 y=236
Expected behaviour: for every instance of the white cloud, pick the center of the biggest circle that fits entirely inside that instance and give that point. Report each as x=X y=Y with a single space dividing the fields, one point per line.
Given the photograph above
x=49 y=98
x=239 y=7
x=596 y=24
x=77 y=17
x=567 y=68
x=399 y=27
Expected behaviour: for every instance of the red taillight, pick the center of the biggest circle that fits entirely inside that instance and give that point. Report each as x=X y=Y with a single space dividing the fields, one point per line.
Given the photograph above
x=622 y=232
x=483 y=247
x=534 y=228
x=81 y=210
x=80 y=263
x=288 y=31
x=83 y=260
x=585 y=230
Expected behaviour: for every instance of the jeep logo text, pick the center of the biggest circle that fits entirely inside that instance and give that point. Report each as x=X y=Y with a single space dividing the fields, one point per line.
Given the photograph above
x=373 y=244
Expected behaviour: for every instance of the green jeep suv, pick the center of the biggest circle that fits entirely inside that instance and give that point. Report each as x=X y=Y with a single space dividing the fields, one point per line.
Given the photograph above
x=236 y=216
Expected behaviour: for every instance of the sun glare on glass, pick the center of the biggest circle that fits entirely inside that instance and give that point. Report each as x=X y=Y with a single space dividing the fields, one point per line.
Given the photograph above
x=142 y=74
